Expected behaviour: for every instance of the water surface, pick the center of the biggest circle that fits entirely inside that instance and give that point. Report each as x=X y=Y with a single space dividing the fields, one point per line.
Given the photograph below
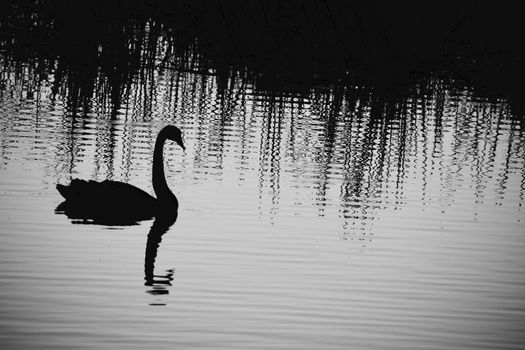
x=324 y=220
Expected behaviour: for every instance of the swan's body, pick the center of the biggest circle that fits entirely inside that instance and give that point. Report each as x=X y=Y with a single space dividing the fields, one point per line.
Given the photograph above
x=115 y=202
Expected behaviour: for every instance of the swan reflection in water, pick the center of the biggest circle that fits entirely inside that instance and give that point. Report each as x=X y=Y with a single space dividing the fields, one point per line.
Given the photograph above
x=157 y=282
x=118 y=203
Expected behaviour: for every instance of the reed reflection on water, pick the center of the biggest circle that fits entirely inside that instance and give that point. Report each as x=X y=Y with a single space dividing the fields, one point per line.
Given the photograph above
x=426 y=185
x=315 y=218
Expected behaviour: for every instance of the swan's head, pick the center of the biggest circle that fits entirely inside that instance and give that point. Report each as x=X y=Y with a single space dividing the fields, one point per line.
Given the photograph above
x=174 y=134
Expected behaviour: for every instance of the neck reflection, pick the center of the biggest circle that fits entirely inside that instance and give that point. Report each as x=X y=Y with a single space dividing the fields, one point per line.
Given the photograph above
x=159 y=283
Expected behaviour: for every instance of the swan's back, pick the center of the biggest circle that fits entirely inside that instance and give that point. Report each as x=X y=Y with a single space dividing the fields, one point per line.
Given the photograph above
x=107 y=190
x=106 y=200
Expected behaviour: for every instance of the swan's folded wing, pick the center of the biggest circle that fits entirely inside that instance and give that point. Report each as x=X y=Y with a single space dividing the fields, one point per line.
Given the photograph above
x=124 y=192
x=105 y=193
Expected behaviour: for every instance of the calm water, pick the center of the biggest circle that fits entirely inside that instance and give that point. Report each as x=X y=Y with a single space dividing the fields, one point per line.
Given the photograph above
x=301 y=226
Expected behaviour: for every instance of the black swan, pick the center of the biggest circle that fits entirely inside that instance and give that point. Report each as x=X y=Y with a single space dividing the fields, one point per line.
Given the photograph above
x=118 y=203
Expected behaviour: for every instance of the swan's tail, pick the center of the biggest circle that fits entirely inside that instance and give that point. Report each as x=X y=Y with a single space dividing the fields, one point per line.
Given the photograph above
x=74 y=189
x=63 y=190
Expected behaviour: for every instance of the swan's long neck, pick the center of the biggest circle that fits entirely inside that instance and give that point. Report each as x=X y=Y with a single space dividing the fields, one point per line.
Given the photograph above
x=160 y=186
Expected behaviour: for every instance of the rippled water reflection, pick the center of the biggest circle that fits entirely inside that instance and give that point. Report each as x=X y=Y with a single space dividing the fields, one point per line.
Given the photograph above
x=322 y=221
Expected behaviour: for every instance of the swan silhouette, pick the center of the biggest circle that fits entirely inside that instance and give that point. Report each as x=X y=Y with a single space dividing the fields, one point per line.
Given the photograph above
x=118 y=203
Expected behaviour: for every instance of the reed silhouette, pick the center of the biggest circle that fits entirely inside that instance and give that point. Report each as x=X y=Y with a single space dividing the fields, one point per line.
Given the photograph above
x=118 y=203
x=97 y=50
